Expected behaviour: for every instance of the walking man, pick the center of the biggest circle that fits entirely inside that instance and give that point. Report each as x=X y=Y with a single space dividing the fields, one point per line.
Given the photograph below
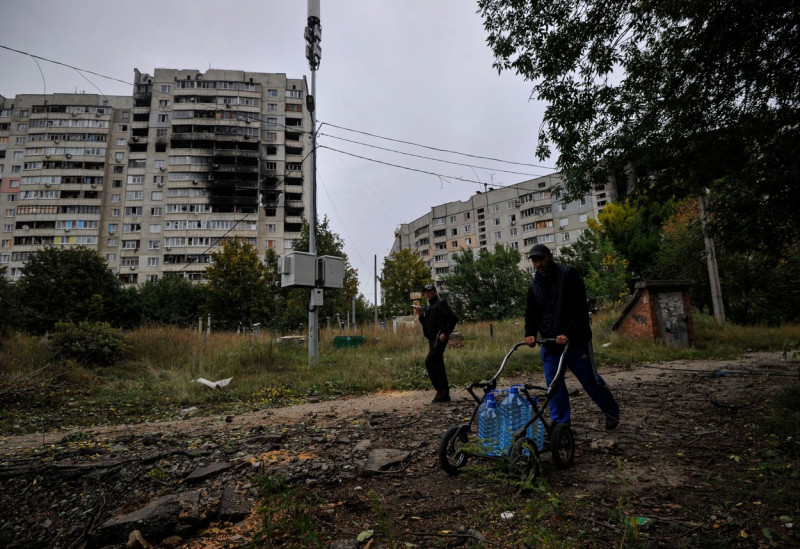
x=438 y=321
x=557 y=308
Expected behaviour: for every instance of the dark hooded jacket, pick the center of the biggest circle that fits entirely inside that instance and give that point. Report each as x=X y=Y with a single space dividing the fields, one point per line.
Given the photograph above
x=557 y=305
x=437 y=318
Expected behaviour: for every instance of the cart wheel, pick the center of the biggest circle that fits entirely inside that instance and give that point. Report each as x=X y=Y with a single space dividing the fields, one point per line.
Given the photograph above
x=450 y=457
x=562 y=445
x=523 y=458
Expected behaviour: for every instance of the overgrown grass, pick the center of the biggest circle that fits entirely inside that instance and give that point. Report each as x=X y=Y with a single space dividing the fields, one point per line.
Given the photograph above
x=154 y=380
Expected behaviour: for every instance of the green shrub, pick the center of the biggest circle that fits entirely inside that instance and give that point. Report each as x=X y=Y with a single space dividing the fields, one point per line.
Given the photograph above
x=94 y=343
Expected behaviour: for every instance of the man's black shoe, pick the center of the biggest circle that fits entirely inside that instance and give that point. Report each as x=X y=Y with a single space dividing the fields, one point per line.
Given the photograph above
x=441 y=397
x=612 y=422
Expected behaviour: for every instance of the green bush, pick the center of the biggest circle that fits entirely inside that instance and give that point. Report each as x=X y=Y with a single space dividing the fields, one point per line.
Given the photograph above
x=94 y=343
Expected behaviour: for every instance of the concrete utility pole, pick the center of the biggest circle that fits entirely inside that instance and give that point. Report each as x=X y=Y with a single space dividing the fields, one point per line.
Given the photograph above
x=375 y=282
x=711 y=260
x=313 y=36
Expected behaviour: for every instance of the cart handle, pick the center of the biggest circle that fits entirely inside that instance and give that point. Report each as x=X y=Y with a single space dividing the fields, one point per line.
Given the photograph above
x=491 y=385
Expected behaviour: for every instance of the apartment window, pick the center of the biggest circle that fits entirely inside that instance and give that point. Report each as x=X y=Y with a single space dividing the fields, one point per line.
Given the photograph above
x=112 y=227
x=161 y=132
x=563 y=222
x=16 y=169
x=512 y=232
x=494 y=208
x=514 y=245
x=438 y=220
x=163 y=102
x=272 y=93
x=272 y=106
x=296 y=94
x=159 y=163
x=496 y=221
x=467 y=215
x=467 y=228
x=467 y=241
x=155 y=212
x=115 y=212
x=562 y=207
x=564 y=237
x=122 y=127
x=158 y=180
x=20 y=141
x=134 y=195
x=155 y=228
x=157 y=195
x=497 y=235
x=152 y=261
x=166 y=88
x=288 y=244
x=163 y=118
x=293 y=108
x=454 y=244
x=153 y=244
x=272 y=228
x=272 y=136
x=454 y=232
x=601 y=203
x=582 y=201
x=452 y=219
x=111 y=257
x=583 y=217
x=8 y=228
x=272 y=121
x=118 y=169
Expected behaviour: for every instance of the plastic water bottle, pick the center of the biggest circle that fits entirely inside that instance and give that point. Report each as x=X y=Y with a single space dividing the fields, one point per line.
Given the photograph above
x=538 y=429
x=489 y=426
x=515 y=412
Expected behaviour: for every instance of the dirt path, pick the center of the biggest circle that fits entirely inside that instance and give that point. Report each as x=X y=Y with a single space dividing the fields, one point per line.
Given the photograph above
x=687 y=428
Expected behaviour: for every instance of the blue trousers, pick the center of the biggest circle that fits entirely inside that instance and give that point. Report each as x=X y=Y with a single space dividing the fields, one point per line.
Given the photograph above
x=580 y=360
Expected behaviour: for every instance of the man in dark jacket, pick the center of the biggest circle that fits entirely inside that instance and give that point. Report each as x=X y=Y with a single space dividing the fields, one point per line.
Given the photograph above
x=438 y=321
x=557 y=308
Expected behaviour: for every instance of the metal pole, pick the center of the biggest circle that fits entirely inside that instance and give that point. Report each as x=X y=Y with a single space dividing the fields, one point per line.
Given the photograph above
x=313 y=36
x=375 y=261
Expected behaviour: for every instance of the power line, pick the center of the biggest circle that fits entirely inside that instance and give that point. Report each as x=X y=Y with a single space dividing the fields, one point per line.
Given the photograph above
x=437 y=149
x=66 y=65
x=427 y=157
x=441 y=176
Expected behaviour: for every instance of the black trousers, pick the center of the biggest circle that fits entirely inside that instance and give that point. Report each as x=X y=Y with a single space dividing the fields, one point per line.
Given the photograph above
x=434 y=363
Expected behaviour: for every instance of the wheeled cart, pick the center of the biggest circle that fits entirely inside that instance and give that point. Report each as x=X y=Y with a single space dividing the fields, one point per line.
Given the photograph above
x=522 y=455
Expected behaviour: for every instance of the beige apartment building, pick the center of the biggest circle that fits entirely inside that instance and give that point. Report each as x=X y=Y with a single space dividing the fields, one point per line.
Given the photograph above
x=157 y=181
x=517 y=216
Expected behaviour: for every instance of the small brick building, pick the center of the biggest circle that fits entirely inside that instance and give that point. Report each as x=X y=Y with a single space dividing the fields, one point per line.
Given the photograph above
x=659 y=310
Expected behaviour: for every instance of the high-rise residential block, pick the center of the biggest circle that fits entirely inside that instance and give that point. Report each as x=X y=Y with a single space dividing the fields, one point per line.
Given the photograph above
x=517 y=216
x=157 y=181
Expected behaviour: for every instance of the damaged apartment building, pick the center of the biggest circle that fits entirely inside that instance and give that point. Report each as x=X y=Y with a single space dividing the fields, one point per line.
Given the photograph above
x=156 y=181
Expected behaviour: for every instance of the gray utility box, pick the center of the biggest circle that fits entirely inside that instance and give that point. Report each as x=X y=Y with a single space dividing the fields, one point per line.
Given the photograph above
x=330 y=271
x=298 y=269
x=302 y=269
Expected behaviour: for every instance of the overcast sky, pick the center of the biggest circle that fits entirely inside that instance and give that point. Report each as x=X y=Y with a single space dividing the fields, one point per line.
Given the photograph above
x=417 y=71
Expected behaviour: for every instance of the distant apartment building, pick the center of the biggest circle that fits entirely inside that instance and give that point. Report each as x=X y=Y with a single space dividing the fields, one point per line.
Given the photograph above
x=517 y=216
x=157 y=181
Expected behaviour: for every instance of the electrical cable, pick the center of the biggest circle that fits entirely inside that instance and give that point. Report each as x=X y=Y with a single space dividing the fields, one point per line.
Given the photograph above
x=427 y=157
x=438 y=149
x=445 y=177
